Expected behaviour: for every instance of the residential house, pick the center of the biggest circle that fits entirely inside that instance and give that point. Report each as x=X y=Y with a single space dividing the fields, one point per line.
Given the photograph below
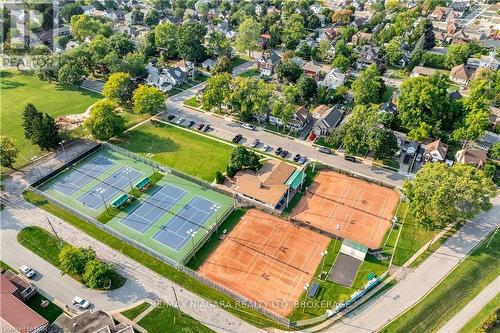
x=468 y=35
x=88 y=10
x=358 y=22
x=208 y=64
x=436 y=151
x=461 y=75
x=476 y=157
x=267 y=63
x=487 y=141
x=389 y=107
x=486 y=61
x=440 y=13
x=333 y=79
x=368 y=55
x=186 y=66
x=360 y=38
x=90 y=321
x=297 y=122
x=423 y=71
x=327 y=119
x=165 y=79
x=15 y=315
x=312 y=69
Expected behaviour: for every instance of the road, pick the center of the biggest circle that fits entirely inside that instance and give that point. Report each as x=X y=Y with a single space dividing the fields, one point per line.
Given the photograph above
x=376 y=313
x=473 y=308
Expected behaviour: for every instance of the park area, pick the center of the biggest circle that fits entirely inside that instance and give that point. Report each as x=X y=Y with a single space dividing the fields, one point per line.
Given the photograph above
x=266 y=260
x=171 y=216
x=19 y=88
x=348 y=207
x=180 y=149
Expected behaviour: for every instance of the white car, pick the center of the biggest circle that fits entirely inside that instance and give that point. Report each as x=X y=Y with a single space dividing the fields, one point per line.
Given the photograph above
x=248 y=126
x=180 y=121
x=80 y=303
x=265 y=147
x=28 y=272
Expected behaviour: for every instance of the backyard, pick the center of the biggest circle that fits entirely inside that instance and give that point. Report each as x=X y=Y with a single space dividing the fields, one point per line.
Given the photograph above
x=18 y=89
x=179 y=149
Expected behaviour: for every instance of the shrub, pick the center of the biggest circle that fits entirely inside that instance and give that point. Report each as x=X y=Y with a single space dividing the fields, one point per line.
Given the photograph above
x=219 y=177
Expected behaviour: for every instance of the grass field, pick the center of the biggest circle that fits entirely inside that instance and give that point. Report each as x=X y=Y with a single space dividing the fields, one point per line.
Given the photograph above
x=152 y=263
x=386 y=97
x=135 y=311
x=330 y=293
x=5 y=266
x=46 y=246
x=474 y=325
x=167 y=319
x=463 y=284
x=250 y=73
x=18 y=89
x=51 y=312
x=179 y=149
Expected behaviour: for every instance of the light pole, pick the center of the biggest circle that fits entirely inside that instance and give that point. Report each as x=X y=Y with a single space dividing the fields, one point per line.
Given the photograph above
x=235 y=193
x=192 y=233
x=33 y=159
x=338 y=227
x=64 y=150
x=306 y=286
x=215 y=208
x=150 y=156
x=101 y=191
x=127 y=172
x=323 y=254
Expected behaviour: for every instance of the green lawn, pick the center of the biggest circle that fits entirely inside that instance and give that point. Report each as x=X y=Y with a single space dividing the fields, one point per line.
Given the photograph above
x=6 y=267
x=166 y=319
x=179 y=149
x=18 y=88
x=463 y=284
x=330 y=293
x=474 y=325
x=188 y=84
x=136 y=311
x=250 y=73
x=247 y=314
x=46 y=246
x=51 y=312
x=386 y=97
x=239 y=60
x=193 y=101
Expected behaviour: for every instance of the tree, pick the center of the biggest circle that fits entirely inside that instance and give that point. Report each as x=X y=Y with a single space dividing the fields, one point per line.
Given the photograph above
x=459 y=53
x=216 y=91
x=148 y=100
x=104 y=123
x=137 y=16
x=69 y=10
x=393 y=51
x=99 y=48
x=441 y=195
x=424 y=100
x=429 y=37
x=31 y=116
x=134 y=64
x=8 y=152
x=368 y=87
x=166 y=39
x=152 y=18
x=495 y=151
x=342 y=16
x=293 y=31
x=383 y=143
x=282 y=110
x=288 y=71
x=97 y=274
x=40 y=129
x=223 y=65
x=84 y=26
x=307 y=87
x=119 y=88
x=420 y=133
x=71 y=75
x=242 y=158
x=190 y=38
x=121 y=44
x=219 y=45
x=248 y=36
x=113 y=62
x=249 y=96
x=72 y=260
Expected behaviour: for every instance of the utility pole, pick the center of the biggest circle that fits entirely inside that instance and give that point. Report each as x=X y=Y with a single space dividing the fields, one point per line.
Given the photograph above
x=59 y=242
x=176 y=299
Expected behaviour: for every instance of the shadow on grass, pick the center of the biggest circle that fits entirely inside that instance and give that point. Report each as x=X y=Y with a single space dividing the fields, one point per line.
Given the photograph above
x=145 y=142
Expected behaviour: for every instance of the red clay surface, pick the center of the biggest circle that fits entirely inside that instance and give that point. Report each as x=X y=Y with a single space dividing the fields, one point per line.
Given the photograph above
x=267 y=260
x=348 y=207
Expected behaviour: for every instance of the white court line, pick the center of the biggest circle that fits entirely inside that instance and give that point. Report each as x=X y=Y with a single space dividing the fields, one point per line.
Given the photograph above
x=336 y=207
x=349 y=215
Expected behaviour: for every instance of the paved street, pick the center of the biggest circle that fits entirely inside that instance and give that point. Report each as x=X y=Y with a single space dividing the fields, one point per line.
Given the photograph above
x=473 y=308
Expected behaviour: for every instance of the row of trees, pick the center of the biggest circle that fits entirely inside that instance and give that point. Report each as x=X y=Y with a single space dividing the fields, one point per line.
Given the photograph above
x=242 y=158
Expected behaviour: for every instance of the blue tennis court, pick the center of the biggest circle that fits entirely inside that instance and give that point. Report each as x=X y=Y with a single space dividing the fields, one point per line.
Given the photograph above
x=158 y=204
x=82 y=175
x=192 y=216
x=109 y=188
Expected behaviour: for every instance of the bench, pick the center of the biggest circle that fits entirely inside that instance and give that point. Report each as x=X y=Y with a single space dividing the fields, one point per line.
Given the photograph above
x=313 y=291
x=120 y=201
x=143 y=184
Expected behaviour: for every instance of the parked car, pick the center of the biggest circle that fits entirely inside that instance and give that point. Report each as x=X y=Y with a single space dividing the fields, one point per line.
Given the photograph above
x=191 y=123
x=278 y=151
x=296 y=157
x=284 y=153
x=180 y=120
x=237 y=138
x=324 y=150
x=206 y=128
x=302 y=160
x=200 y=126
x=80 y=303
x=27 y=271
x=406 y=159
x=350 y=158
x=419 y=157
x=248 y=126
x=265 y=147
x=170 y=117
x=255 y=143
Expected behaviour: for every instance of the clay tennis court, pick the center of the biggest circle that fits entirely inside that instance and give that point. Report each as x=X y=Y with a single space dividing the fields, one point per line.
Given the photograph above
x=267 y=260
x=348 y=207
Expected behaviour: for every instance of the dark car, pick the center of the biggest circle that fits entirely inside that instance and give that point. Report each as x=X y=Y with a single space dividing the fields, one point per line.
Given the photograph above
x=237 y=138
x=278 y=151
x=200 y=126
x=350 y=158
x=406 y=159
x=191 y=123
x=170 y=117
x=296 y=157
x=206 y=128
x=284 y=153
